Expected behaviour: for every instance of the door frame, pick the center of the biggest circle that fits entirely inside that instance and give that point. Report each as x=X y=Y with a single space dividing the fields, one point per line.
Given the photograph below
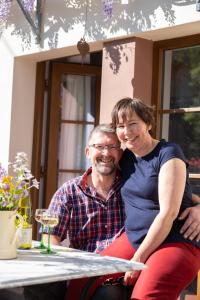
x=49 y=171
x=37 y=137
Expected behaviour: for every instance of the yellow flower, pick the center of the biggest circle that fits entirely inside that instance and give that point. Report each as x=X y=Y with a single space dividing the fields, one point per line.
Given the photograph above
x=7 y=179
x=13 y=188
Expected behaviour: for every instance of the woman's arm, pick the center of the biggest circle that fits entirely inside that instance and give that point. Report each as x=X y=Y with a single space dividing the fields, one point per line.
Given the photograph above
x=171 y=184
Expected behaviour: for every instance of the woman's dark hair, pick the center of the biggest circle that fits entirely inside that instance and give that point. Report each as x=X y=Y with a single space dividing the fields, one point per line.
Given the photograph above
x=127 y=105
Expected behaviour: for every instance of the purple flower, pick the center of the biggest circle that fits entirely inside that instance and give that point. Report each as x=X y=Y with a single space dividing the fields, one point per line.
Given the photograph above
x=12 y=188
x=25 y=193
x=2 y=172
x=16 y=197
x=21 y=185
x=6 y=187
x=107 y=7
x=4 y=203
x=4 y=8
x=8 y=194
x=28 y=5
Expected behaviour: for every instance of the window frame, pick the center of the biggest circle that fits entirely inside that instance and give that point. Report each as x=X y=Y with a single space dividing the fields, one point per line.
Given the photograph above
x=159 y=48
x=58 y=69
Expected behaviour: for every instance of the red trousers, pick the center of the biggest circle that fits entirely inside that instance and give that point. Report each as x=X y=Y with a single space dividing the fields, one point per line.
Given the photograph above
x=170 y=269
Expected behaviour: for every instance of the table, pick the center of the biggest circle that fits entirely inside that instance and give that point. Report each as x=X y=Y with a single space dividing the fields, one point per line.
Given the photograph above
x=31 y=267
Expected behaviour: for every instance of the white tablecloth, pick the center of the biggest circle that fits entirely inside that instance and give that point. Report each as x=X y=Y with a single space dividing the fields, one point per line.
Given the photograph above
x=32 y=267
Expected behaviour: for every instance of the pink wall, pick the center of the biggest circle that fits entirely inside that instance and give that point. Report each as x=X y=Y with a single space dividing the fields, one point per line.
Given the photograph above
x=126 y=71
x=143 y=69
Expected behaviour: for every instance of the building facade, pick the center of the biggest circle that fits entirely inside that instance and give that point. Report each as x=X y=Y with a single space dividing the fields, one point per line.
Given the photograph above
x=51 y=97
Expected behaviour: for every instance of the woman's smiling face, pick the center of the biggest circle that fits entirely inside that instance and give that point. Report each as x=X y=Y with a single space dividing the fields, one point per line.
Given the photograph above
x=133 y=132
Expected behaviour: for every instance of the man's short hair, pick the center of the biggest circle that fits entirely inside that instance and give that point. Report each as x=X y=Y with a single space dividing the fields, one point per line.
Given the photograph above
x=105 y=128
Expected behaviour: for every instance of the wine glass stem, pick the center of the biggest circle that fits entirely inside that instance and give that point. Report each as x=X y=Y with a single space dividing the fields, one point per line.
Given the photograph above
x=49 y=237
x=42 y=238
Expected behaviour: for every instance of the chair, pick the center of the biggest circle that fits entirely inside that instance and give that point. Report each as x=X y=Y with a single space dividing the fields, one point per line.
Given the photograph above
x=106 y=291
x=192 y=289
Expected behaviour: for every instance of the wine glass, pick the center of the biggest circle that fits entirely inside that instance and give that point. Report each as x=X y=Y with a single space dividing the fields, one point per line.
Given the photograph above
x=38 y=215
x=49 y=219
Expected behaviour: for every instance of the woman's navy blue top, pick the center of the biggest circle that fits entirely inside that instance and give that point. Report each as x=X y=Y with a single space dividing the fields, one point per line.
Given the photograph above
x=140 y=192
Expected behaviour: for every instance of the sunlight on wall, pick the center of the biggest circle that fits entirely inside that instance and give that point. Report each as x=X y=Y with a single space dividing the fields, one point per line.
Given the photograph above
x=6 y=76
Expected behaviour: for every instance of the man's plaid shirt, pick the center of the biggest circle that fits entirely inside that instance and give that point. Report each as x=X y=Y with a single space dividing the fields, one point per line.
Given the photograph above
x=90 y=222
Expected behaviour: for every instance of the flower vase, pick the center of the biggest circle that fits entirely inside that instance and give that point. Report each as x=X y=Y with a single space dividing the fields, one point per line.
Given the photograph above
x=9 y=234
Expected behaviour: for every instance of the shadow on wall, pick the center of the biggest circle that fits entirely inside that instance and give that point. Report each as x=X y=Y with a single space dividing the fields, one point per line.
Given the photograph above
x=115 y=55
x=136 y=16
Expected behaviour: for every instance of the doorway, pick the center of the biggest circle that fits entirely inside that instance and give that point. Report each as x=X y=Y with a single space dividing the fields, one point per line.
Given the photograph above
x=66 y=109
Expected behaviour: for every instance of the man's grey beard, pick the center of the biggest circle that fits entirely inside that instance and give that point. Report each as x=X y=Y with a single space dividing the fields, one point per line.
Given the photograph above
x=108 y=173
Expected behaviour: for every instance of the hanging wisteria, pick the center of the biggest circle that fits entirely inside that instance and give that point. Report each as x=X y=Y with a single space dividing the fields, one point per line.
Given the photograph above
x=4 y=8
x=6 y=4
x=28 y=5
x=107 y=7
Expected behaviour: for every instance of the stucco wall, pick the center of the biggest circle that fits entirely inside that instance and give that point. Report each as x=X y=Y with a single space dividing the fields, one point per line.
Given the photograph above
x=117 y=75
x=64 y=22
x=63 y=25
x=22 y=115
x=6 y=81
x=143 y=70
x=126 y=72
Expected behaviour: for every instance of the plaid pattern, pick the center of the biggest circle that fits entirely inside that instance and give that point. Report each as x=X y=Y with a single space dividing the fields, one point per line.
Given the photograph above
x=90 y=222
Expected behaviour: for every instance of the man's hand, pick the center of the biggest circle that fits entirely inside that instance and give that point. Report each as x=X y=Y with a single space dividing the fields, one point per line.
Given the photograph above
x=191 y=227
x=55 y=240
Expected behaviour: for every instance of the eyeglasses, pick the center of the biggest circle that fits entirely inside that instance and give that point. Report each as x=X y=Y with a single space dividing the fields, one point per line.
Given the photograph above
x=101 y=148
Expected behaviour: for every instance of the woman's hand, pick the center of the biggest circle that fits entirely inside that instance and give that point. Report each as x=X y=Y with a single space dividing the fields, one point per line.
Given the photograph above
x=191 y=227
x=130 y=277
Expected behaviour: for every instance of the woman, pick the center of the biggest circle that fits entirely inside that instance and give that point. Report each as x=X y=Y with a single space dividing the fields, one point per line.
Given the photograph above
x=155 y=192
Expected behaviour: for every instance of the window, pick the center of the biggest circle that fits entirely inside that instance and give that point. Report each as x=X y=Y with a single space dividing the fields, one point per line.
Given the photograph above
x=179 y=103
x=78 y=110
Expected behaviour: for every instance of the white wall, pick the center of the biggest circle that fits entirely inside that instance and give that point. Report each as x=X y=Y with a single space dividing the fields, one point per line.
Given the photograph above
x=64 y=23
x=63 y=26
x=6 y=80
x=21 y=135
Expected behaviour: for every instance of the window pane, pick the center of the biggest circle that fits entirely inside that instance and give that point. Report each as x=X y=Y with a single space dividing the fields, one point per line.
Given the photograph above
x=184 y=129
x=73 y=139
x=78 y=97
x=182 y=78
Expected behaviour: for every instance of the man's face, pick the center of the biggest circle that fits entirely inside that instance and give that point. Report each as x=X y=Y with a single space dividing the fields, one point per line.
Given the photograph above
x=104 y=152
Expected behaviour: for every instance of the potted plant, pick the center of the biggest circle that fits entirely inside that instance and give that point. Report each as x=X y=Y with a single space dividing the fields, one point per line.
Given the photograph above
x=13 y=187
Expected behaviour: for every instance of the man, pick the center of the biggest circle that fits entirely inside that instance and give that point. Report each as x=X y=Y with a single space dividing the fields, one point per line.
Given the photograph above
x=90 y=209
